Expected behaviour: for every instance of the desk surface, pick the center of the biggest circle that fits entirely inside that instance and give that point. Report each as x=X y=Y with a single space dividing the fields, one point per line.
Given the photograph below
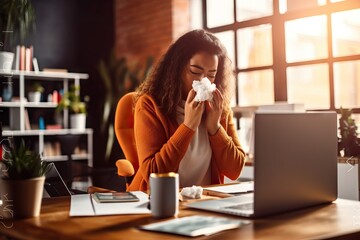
x=341 y=218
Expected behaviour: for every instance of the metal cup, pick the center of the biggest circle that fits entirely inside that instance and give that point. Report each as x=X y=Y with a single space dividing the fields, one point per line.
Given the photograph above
x=164 y=194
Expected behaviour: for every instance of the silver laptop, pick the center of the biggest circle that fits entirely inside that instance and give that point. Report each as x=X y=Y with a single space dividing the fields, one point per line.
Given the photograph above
x=295 y=165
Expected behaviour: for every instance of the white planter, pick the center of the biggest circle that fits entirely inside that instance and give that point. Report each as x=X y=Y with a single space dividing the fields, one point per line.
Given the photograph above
x=34 y=96
x=6 y=60
x=21 y=198
x=78 y=121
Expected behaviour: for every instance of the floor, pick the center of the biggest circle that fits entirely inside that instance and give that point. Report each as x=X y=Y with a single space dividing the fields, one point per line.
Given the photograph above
x=78 y=176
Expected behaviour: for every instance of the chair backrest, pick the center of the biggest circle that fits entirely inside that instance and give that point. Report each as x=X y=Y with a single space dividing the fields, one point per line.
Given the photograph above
x=124 y=128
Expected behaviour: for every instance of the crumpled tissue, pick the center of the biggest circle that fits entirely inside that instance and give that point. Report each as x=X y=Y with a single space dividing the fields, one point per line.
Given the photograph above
x=203 y=89
x=192 y=192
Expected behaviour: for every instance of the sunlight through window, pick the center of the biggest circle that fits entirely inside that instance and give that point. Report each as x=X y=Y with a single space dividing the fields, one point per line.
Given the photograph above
x=306 y=39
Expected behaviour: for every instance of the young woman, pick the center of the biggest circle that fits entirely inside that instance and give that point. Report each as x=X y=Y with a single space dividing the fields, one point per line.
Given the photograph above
x=175 y=133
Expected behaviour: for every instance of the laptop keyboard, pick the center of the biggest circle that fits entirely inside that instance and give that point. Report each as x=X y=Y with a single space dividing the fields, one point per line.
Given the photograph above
x=243 y=206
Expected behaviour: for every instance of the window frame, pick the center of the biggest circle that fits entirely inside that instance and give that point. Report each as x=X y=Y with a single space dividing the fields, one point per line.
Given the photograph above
x=279 y=66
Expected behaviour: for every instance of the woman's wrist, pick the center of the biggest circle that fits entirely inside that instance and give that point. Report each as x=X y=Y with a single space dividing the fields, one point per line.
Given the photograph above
x=213 y=130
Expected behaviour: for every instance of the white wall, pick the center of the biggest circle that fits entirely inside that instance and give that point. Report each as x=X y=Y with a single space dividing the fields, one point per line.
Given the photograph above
x=348 y=181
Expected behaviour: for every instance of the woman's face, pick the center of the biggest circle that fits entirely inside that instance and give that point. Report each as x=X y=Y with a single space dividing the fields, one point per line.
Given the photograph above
x=200 y=65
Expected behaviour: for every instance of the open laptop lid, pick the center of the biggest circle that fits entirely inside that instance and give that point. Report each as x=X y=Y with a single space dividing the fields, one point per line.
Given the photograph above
x=295 y=160
x=54 y=184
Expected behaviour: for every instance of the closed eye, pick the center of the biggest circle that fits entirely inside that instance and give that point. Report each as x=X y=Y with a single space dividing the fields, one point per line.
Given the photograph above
x=195 y=73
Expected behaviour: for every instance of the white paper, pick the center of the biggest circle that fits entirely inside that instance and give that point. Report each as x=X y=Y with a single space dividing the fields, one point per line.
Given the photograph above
x=234 y=188
x=195 y=225
x=81 y=205
x=85 y=205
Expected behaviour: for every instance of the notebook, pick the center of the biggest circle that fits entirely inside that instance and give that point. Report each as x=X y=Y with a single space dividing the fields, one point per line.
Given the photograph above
x=295 y=165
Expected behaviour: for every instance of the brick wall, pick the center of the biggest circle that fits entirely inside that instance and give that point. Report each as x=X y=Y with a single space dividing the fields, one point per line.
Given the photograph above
x=147 y=27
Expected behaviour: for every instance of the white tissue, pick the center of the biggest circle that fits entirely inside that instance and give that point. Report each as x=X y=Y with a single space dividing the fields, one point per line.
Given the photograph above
x=192 y=192
x=203 y=89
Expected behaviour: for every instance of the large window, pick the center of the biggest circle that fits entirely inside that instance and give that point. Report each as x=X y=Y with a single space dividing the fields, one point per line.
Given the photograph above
x=295 y=51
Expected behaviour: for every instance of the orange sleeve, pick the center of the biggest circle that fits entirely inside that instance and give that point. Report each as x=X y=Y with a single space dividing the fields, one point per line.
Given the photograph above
x=227 y=152
x=158 y=150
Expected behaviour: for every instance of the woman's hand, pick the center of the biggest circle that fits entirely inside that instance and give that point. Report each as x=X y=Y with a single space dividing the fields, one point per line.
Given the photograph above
x=214 y=110
x=193 y=111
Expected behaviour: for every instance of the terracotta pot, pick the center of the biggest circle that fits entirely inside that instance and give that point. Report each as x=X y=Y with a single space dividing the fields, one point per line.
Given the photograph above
x=21 y=198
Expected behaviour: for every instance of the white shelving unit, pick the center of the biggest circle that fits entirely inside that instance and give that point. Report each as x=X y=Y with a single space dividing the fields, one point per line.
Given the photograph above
x=22 y=105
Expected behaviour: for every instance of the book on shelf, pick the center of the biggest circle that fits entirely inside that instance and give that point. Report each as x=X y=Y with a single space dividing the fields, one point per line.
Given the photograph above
x=24 y=58
x=17 y=57
x=35 y=65
x=80 y=151
x=55 y=70
x=52 y=149
x=27 y=120
x=53 y=127
x=28 y=58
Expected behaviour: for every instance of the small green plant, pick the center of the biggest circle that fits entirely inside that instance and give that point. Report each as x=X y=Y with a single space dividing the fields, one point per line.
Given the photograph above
x=22 y=163
x=349 y=141
x=18 y=18
x=71 y=100
x=118 y=77
x=36 y=87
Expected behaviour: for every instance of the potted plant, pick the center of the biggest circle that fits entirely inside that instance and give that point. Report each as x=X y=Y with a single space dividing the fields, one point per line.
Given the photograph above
x=17 y=18
x=349 y=142
x=71 y=101
x=118 y=78
x=22 y=182
x=35 y=92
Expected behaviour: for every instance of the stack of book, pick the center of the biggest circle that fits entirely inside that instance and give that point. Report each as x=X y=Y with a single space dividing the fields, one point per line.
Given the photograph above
x=24 y=59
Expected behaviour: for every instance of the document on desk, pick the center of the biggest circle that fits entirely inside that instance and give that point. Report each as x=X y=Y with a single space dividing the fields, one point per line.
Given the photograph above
x=244 y=187
x=196 y=225
x=85 y=205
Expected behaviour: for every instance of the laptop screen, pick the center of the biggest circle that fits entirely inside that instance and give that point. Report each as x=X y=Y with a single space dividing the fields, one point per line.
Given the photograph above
x=295 y=160
x=54 y=184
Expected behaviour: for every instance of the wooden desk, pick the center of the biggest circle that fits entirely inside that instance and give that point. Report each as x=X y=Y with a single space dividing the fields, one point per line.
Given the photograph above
x=340 y=219
x=347 y=160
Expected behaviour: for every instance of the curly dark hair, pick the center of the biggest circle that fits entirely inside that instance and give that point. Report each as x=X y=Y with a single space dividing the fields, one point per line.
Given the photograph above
x=164 y=83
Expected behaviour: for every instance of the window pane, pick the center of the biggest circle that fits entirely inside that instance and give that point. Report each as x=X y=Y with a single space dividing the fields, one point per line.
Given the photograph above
x=245 y=132
x=306 y=39
x=254 y=46
x=296 y=5
x=346 y=33
x=256 y=88
x=347 y=84
x=227 y=38
x=196 y=14
x=246 y=10
x=309 y=85
x=219 y=13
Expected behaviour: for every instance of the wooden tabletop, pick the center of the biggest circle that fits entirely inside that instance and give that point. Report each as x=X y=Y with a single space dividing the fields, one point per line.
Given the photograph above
x=339 y=219
x=345 y=160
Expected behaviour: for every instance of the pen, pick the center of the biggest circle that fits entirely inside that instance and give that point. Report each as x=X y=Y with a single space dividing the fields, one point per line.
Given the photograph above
x=216 y=194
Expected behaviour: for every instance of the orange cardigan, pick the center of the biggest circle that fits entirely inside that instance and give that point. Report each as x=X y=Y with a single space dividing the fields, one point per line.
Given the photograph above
x=161 y=144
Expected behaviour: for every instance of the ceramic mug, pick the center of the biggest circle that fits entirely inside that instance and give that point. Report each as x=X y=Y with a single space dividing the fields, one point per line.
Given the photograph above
x=164 y=194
